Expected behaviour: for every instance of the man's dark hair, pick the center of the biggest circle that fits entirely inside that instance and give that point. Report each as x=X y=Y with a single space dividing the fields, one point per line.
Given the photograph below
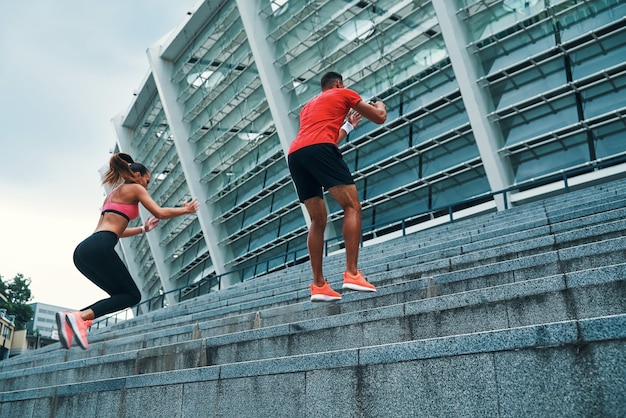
x=329 y=79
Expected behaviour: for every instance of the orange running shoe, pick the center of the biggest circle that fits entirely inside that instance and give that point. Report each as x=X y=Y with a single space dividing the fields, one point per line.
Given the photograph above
x=80 y=327
x=65 y=332
x=357 y=282
x=324 y=293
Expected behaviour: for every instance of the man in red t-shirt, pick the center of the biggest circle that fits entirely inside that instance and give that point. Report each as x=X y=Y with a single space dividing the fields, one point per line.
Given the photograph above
x=316 y=163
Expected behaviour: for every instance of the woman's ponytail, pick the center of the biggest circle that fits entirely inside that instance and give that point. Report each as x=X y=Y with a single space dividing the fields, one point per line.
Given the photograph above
x=122 y=168
x=125 y=157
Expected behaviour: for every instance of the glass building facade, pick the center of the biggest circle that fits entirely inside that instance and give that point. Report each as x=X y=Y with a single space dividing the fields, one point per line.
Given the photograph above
x=482 y=95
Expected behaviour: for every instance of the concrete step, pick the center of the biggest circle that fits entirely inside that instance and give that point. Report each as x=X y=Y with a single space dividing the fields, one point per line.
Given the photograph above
x=499 y=373
x=550 y=299
x=447 y=275
x=520 y=243
x=448 y=282
x=444 y=280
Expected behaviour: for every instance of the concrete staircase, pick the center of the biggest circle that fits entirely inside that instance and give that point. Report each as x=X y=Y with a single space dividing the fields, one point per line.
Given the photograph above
x=516 y=313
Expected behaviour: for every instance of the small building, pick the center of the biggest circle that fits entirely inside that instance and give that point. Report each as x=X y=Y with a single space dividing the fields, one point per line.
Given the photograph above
x=43 y=324
x=7 y=331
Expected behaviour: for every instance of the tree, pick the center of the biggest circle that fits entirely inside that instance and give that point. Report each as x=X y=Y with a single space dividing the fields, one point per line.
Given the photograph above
x=18 y=295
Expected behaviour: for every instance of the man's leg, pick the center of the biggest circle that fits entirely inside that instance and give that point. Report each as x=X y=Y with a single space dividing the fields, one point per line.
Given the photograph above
x=346 y=196
x=315 y=241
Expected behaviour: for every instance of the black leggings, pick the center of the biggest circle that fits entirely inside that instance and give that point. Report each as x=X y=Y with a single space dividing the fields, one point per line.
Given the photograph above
x=96 y=258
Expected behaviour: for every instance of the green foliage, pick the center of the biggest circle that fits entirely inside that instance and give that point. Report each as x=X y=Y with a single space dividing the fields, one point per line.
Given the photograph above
x=17 y=292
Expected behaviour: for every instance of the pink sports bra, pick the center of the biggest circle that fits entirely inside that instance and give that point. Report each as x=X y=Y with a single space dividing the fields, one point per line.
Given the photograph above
x=128 y=211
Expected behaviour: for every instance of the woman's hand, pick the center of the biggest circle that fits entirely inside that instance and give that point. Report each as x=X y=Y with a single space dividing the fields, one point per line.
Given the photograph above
x=191 y=207
x=150 y=223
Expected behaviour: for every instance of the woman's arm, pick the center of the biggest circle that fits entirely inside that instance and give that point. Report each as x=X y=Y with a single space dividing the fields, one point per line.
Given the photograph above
x=165 y=213
x=150 y=224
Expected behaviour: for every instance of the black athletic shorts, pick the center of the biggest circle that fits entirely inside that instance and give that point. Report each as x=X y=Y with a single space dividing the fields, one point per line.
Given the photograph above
x=318 y=166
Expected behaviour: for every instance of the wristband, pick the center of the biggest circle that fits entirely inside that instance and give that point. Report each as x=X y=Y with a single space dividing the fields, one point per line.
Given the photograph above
x=347 y=126
x=143 y=229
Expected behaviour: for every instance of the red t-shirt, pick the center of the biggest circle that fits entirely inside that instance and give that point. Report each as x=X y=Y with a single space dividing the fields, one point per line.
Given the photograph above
x=322 y=117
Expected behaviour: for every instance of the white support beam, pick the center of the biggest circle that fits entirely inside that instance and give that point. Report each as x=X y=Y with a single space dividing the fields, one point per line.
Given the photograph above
x=263 y=50
x=476 y=100
x=124 y=143
x=162 y=71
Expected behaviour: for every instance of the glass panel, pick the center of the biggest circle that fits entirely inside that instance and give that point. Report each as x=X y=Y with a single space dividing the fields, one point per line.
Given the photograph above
x=250 y=167
x=284 y=197
x=539 y=120
x=427 y=90
x=152 y=145
x=290 y=222
x=240 y=247
x=276 y=172
x=246 y=190
x=458 y=188
x=410 y=204
x=393 y=177
x=384 y=147
x=580 y=17
x=439 y=122
x=517 y=48
x=488 y=17
x=550 y=158
x=448 y=154
x=607 y=96
x=609 y=139
x=258 y=211
x=262 y=236
x=608 y=52
x=232 y=225
x=533 y=81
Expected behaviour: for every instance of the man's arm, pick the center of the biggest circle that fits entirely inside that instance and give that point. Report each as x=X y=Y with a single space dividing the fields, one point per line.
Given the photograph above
x=376 y=112
x=353 y=119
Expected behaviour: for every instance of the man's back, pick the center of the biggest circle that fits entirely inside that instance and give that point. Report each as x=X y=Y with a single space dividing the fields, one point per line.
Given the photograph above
x=322 y=117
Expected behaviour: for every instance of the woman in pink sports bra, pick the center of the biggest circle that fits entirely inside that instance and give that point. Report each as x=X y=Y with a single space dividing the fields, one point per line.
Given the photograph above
x=96 y=258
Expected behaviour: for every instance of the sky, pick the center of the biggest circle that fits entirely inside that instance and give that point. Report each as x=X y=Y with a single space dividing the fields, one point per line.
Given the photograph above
x=67 y=67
